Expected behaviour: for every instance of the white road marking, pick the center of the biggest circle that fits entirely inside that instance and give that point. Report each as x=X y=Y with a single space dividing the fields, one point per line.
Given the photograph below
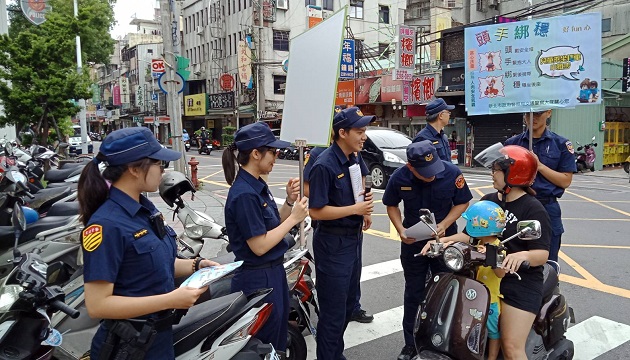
x=596 y=336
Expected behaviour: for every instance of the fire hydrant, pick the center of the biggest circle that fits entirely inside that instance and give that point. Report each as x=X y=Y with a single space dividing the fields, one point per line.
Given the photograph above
x=193 y=171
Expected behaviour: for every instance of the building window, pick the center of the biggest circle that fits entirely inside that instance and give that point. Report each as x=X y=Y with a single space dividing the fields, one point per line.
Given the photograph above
x=327 y=5
x=383 y=14
x=384 y=50
x=606 y=25
x=281 y=40
x=450 y=3
x=310 y=2
x=150 y=51
x=356 y=9
x=279 y=82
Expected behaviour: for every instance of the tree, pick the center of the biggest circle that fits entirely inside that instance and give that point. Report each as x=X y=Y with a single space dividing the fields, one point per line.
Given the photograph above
x=38 y=71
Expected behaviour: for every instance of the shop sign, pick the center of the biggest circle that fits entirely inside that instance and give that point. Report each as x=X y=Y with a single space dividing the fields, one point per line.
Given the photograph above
x=346 y=70
x=227 y=82
x=454 y=76
x=420 y=90
x=345 y=93
x=405 y=53
x=195 y=105
x=221 y=101
x=378 y=90
x=625 y=84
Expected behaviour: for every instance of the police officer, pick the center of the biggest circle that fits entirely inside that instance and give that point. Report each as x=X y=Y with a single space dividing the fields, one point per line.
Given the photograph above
x=425 y=182
x=556 y=165
x=338 y=235
x=130 y=263
x=358 y=314
x=438 y=115
x=256 y=227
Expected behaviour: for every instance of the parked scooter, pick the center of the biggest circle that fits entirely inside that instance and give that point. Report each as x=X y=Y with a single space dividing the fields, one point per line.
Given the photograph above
x=451 y=321
x=585 y=160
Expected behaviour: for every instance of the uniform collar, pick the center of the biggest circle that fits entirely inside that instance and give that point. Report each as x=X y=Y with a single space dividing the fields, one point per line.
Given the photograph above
x=258 y=185
x=433 y=130
x=544 y=135
x=341 y=156
x=130 y=205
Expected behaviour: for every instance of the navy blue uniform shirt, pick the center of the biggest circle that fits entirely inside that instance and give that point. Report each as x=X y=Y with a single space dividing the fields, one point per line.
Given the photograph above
x=251 y=211
x=447 y=190
x=438 y=139
x=121 y=247
x=330 y=185
x=312 y=158
x=553 y=150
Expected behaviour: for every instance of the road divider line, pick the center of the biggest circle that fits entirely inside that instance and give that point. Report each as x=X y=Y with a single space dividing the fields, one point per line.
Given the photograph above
x=597 y=246
x=599 y=203
x=577 y=267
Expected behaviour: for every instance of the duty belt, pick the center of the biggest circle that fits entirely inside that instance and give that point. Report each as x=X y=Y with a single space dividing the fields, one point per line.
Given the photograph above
x=547 y=200
x=338 y=230
x=269 y=264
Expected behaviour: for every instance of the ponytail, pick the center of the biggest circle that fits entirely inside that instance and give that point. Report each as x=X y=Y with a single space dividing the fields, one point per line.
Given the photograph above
x=229 y=163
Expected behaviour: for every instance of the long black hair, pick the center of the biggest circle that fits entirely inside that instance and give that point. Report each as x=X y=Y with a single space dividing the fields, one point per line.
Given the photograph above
x=232 y=156
x=93 y=190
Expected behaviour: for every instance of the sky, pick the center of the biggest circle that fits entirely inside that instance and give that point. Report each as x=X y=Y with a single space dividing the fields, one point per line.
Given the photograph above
x=125 y=11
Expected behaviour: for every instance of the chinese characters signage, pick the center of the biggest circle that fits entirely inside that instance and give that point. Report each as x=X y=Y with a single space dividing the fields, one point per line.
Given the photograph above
x=221 y=101
x=625 y=83
x=345 y=93
x=244 y=63
x=195 y=105
x=533 y=65
x=347 y=60
x=405 y=54
x=420 y=90
x=269 y=10
x=124 y=90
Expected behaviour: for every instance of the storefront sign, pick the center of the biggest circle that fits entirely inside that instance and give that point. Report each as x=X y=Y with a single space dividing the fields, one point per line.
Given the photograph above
x=533 y=65
x=269 y=10
x=195 y=105
x=625 y=83
x=244 y=63
x=227 y=82
x=345 y=93
x=139 y=96
x=157 y=67
x=314 y=15
x=221 y=101
x=378 y=89
x=124 y=90
x=405 y=53
x=117 y=95
x=420 y=90
x=347 y=59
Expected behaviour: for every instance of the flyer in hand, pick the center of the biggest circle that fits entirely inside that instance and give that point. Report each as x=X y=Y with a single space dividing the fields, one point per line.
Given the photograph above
x=205 y=276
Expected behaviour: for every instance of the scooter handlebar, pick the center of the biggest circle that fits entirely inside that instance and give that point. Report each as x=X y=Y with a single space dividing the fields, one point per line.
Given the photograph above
x=61 y=306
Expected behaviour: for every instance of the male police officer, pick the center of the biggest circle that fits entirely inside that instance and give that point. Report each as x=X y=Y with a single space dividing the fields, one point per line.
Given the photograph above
x=338 y=234
x=425 y=182
x=438 y=115
x=556 y=165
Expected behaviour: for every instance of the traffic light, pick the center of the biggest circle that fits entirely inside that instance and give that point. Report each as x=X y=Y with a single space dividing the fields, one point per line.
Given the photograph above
x=182 y=65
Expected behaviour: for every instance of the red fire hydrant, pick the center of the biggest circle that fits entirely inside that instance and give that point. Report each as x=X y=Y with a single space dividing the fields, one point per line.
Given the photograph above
x=193 y=171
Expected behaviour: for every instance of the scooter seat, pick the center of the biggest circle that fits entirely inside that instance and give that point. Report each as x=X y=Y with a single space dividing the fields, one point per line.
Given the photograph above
x=7 y=233
x=59 y=175
x=69 y=208
x=44 y=198
x=550 y=281
x=203 y=320
x=71 y=185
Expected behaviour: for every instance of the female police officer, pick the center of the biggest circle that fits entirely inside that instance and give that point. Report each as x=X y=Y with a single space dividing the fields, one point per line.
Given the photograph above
x=255 y=226
x=129 y=253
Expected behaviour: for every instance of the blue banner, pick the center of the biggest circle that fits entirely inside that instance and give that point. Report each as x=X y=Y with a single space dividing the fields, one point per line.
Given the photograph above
x=534 y=65
x=346 y=70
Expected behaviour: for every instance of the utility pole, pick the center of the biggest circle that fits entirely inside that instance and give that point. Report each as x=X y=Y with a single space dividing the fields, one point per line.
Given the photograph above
x=260 y=93
x=82 y=120
x=170 y=30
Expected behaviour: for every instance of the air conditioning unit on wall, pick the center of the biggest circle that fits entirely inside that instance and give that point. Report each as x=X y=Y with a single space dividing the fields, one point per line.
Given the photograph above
x=282 y=4
x=199 y=30
x=493 y=4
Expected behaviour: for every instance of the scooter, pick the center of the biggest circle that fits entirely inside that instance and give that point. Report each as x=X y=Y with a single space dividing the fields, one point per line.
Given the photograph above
x=585 y=160
x=451 y=321
x=205 y=146
x=187 y=145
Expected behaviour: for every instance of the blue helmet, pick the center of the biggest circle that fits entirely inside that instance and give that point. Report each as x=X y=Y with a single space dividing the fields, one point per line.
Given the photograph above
x=484 y=218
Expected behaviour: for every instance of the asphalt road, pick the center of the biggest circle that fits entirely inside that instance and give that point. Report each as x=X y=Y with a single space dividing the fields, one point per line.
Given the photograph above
x=594 y=259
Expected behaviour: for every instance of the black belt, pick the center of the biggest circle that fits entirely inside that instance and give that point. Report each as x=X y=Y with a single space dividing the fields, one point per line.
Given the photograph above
x=547 y=200
x=164 y=321
x=338 y=230
x=266 y=265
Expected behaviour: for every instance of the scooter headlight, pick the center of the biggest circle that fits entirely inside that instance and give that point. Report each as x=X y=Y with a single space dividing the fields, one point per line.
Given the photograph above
x=9 y=294
x=453 y=258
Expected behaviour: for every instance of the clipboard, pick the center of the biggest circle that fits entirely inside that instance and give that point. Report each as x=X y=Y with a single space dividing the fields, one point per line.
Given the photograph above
x=421 y=231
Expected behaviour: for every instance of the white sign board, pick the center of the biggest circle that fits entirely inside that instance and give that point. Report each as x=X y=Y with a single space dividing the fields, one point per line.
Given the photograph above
x=312 y=82
x=157 y=67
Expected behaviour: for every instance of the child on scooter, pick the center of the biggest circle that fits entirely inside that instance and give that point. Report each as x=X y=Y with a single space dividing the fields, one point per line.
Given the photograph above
x=484 y=221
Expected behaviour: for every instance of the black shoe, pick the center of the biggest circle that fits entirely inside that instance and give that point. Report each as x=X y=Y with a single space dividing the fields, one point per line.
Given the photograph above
x=362 y=317
x=407 y=353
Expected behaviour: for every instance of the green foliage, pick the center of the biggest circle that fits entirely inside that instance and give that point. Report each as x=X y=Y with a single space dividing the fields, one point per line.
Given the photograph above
x=230 y=130
x=38 y=71
x=227 y=139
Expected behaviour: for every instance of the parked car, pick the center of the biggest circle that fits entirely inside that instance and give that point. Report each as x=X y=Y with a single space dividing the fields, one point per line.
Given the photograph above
x=384 y=151
x=75 y=141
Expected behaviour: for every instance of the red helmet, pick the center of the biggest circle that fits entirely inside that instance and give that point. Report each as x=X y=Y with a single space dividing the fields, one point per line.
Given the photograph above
x=519 y=165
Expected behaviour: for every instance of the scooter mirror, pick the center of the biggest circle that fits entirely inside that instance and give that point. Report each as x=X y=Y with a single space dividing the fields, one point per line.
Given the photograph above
x=593 y=138
x=18 y=219
x=528 y=229
x=579 y=148
x=594 y=144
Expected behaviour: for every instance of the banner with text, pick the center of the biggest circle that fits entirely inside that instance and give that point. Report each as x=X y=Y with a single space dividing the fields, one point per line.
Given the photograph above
x=405 y=54
x=533 y=65
x=346 y=70
x=345 y=93
x=420 y=90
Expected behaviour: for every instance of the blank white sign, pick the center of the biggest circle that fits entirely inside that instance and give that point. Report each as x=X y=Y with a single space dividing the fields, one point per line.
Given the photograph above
x=311 y=85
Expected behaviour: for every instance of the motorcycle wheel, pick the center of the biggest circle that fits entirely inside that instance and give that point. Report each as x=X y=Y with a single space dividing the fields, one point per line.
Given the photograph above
x=580 y=167
x=200 y=151
x=296 y=345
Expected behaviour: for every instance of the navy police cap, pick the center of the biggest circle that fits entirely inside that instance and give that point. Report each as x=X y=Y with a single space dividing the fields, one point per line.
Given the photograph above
x=132 y=144
x=424 y=158
x=255 y=135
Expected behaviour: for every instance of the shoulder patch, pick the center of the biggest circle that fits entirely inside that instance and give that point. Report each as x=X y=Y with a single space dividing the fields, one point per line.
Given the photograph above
x=92 y=237
x=460 y=181
x=140 y=233
x=341 y=175
x=569 y=146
